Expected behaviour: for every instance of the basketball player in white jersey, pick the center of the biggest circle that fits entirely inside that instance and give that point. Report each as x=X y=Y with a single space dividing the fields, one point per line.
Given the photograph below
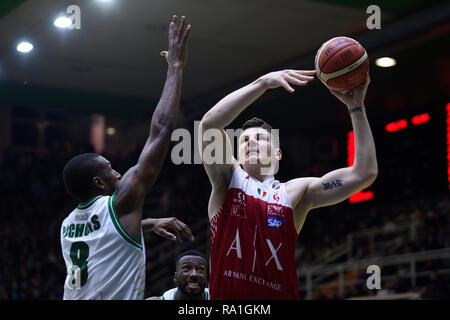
x=254 y=219
x=191 y=277
x=101 y=239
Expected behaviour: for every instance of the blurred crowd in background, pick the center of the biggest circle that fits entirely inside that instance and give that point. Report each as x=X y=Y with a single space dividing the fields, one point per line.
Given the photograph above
x=34 y=203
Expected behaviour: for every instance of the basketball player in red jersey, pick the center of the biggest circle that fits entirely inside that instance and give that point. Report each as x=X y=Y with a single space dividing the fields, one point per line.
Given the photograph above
x=254 y=219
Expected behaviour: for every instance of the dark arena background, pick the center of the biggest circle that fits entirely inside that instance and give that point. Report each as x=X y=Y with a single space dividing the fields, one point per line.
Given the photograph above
x=93 y=87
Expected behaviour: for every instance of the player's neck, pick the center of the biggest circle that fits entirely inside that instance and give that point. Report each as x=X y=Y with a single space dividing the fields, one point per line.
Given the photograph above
x=255 y=173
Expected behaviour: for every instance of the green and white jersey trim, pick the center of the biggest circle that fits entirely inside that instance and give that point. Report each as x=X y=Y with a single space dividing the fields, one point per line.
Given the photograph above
x=88 y=203
x=119 y=227
x=172 y=293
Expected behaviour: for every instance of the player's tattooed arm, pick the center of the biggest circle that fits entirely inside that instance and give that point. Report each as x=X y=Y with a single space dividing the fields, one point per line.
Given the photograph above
x=338 y=185
x=332 y=188
x=333 y=184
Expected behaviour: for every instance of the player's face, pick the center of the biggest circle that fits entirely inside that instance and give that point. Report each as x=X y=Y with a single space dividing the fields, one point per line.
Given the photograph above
x=256 y=148
x=191 y=275
x=110 y=176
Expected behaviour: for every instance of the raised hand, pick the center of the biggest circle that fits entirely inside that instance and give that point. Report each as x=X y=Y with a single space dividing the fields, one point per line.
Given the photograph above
x=354 y=97
x=177 y=54
x=285 y=78
x=162 y=225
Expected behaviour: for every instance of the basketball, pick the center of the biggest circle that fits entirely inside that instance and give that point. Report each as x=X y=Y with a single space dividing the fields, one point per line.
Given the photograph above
x=341 y=63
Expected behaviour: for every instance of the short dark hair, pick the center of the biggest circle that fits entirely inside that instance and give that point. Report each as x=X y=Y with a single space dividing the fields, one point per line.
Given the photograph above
x=78 y=173
x=191 y=253
x=260 y=123
x=257 y=123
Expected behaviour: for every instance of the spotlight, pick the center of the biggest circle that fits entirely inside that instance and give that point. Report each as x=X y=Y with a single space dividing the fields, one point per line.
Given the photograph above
x=110 y=131
x=24 y=47
x=385 y=62
x=62 y=22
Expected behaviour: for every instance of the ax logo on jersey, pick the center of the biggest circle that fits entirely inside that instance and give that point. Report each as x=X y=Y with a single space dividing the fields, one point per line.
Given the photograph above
x=236 y=246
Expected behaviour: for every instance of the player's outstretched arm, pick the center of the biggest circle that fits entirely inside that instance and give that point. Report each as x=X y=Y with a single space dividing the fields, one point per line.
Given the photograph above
x=138 y=180
x=338 y=185
x=229 y=108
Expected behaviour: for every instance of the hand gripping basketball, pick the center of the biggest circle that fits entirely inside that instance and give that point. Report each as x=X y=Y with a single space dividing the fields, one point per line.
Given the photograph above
x=354 y=97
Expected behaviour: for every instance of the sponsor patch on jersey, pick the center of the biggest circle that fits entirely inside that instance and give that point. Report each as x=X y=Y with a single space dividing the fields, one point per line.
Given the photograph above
x=82 y=216
x=240 y=199
x=274 y=210
x=274 y=223
x=237 y=211
x=276 y=185
x=276 y=197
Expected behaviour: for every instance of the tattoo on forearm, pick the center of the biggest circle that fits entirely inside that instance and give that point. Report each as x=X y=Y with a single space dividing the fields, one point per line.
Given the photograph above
x=355 y=109
x=332 y=184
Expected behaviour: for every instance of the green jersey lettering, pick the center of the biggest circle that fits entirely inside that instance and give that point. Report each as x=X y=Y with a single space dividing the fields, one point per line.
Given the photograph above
x=79 y=230
x=95 y=222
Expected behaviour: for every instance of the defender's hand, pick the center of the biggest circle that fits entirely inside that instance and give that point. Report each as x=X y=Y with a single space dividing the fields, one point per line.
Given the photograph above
x=177 y=54
x=161 y=227
x=354 y=97
x=286 y=77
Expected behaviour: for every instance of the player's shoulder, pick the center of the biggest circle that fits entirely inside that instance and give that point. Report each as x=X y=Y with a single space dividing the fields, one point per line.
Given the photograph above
x=296 y=189
x=83 y=210
x=70 y=216
x=303 y=182
x=230 y=173
x=237 y=176
x=169 y=294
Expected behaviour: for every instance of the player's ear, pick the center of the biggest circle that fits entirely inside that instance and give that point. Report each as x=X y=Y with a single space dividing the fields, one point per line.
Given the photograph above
x=98 y=182
x=175 y=277
x=278 y=154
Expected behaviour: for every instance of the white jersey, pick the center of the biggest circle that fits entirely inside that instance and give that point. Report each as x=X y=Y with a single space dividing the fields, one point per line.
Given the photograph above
x=171 y=294
x=103 y=261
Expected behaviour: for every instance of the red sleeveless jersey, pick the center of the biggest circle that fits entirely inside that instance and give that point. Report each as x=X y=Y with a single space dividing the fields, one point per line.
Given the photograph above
x=253 y=240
